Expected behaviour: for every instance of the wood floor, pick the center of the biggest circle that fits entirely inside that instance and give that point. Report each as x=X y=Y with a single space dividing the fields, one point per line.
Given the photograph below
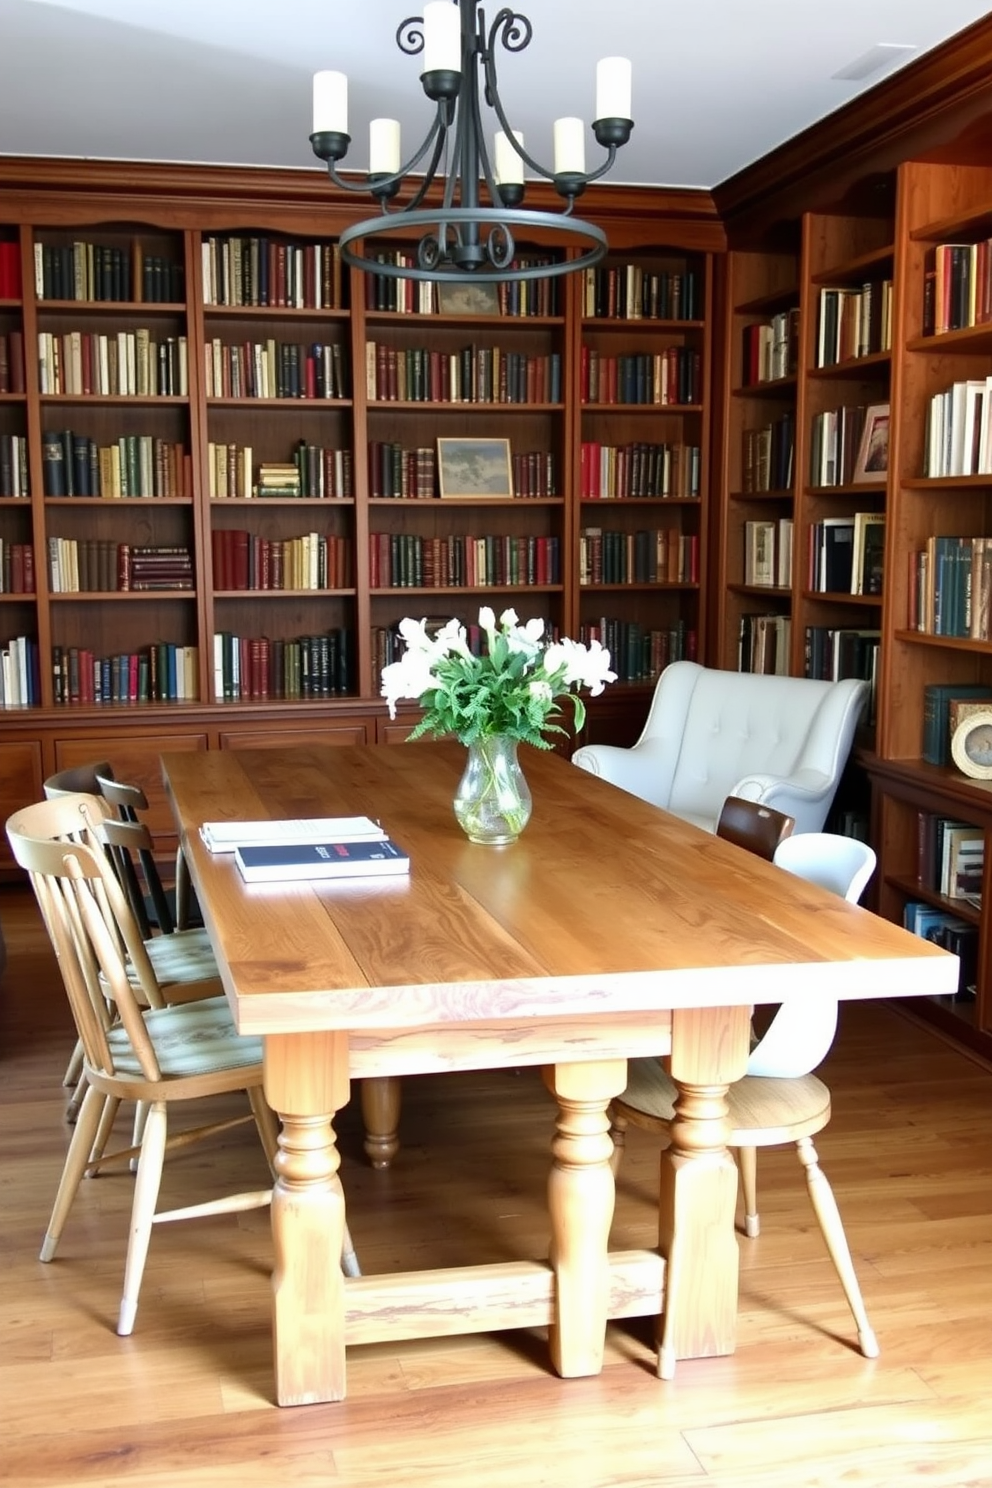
x=187 y=1400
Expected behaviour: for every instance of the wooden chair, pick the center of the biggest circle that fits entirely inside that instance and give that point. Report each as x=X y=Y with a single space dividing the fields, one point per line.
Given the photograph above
x=759 y=829
x=778 y=1100
x=183 y=963
x=155 y=1055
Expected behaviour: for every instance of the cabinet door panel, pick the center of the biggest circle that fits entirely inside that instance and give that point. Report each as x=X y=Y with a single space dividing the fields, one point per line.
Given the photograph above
x=136 y=759
x=352 y=731
x=21 y=784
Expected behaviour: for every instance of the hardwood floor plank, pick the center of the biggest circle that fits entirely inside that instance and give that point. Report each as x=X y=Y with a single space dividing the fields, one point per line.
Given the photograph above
x=186 y=1402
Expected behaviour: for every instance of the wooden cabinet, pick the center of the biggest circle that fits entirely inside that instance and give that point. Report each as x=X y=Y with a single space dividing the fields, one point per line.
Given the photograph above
x=207 y=393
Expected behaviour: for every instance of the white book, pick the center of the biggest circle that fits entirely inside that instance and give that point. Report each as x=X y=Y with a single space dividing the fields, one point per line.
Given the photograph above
x=227 y=836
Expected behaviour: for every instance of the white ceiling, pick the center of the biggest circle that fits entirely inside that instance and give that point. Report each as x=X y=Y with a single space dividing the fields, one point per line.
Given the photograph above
x=717 y=83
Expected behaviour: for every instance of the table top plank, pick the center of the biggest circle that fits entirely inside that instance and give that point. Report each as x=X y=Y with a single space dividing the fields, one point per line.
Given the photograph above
x=605 y=903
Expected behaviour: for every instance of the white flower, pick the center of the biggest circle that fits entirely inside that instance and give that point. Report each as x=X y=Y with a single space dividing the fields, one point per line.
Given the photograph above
x=410 y=677
x=541 y=690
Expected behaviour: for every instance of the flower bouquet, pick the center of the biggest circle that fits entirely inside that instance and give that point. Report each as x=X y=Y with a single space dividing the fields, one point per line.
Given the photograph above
x=507 y=695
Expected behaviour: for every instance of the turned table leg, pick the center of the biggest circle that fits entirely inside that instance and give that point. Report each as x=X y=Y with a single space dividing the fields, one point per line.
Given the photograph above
x=381 y=1116
x=306 y=1081
x=698 y=1188
x=580 y=1200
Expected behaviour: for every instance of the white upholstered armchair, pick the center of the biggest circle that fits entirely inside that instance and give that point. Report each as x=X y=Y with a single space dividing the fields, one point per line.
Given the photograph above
x=710 y=734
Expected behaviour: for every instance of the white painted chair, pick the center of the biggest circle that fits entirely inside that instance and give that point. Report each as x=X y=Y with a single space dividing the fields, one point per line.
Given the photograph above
x=778 y=1100
x=710 y=734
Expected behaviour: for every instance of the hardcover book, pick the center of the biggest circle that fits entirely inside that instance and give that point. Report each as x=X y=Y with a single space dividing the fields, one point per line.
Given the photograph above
x=226 y=836
x=283 y=862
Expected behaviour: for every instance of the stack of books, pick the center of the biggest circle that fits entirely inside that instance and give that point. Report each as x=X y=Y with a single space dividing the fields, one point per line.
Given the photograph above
x=307 y=848
x=278 y=480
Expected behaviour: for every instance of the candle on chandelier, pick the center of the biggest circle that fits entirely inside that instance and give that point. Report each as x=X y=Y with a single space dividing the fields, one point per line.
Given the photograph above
x=613 y=88
x=384 y=147
x=570 y=149
x=330 y=103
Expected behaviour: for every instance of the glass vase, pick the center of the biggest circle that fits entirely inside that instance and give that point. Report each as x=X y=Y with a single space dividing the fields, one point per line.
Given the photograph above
x=492 y=802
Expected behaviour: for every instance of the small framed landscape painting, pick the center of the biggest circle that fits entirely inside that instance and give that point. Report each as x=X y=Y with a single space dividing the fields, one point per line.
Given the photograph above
x=971 y=745
x=457 y=298
x=872 y=463
x=478 y=468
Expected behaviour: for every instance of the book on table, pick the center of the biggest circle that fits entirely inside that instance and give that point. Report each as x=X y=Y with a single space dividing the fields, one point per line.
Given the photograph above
x=227 y=836
x=284 y=862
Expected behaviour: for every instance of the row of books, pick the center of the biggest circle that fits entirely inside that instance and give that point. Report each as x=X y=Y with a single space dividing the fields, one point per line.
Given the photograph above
x=275 y=369
x=100 y=565
x=123 y=364
x=835 y=443
x=847 y=554
x=134 y=465
x=411 y=474
x=160 y=673
x=314 y=560
x=14 y=471
x=611 y=472
x=271 y=271
x=950 y=588
x=666 y=377
x=959 y=430
x=10 y=269
x=91 y=271
x=12 y=361
x=20 y=680
x=835 y=653
x=474 y=374
x=768 y=456
x=954 y=934
x=316 y=472
x=631 y=292
x=951 y=856
x=302 y=667
x=768 y=553
x=406 y=561
x=957 y=286
x=16 y=567
x=665 y=556
x=945 y=704
x=854 y=321
x=763 y=643
x=639 y=653
x=771 y=348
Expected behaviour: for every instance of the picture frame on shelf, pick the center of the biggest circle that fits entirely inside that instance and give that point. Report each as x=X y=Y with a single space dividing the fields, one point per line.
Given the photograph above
x=456 y=297
x=971 y=745
x=476 y=469
x=872 y=462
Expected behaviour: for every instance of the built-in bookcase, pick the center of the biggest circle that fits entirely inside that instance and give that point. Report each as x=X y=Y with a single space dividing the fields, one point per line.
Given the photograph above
x=644 y=380
x=753 y=600
x=246 y=463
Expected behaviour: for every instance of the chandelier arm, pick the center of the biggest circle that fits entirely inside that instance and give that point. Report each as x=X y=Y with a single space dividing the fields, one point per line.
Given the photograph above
x=492 y=85
x=427 y=180
x=387 y=185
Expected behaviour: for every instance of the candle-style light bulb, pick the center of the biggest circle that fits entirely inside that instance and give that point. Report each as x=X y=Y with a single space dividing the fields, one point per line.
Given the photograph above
x=508 y=167
x=330 y=103
x=442 y=37
x=570 y=148
x=613 y=76
x=384 y=147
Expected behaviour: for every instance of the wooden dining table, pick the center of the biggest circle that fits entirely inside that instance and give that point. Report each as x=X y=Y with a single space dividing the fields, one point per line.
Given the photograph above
x=609 y=930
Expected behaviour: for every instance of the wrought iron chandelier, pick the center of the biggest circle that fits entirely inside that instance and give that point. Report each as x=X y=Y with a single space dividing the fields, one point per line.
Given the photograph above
x=463 y=238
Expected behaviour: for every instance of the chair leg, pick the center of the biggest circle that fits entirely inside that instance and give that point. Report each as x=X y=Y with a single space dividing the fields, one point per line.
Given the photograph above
x=618 y=1135
x=349 y=1260
x=74 y=1068
x=108 y=1115
x=77 y=1157
x=143 y=1211
x=825 y=1207
x=267 y=1123
x=75 y=1100
x=747 y=1163
x=140 y=1117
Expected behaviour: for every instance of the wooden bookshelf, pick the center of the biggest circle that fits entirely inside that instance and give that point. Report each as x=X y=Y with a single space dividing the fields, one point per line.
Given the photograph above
x=240 y=269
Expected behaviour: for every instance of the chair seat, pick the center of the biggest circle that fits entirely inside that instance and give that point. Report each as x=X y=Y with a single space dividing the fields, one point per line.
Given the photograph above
x=763 y=1112
x=184 y=956
x=195 y=1038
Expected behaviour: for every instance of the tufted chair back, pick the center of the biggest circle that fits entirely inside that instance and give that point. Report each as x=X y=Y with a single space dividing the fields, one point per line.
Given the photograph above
x=710 y=734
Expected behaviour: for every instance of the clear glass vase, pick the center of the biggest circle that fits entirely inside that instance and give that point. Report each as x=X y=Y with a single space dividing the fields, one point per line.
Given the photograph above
x=492 y=802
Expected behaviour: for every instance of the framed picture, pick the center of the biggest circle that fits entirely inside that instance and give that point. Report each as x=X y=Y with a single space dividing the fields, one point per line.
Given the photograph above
x=872 y=463
x=971 y=746
x=475 y=468
x=457 y=298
